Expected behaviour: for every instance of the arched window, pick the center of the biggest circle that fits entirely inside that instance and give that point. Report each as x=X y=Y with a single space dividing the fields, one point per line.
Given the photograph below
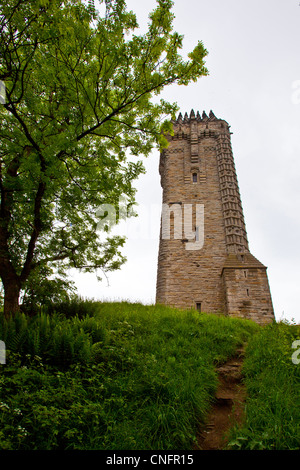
x=195 y=177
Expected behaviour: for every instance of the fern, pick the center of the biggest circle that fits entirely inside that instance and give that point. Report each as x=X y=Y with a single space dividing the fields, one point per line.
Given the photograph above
x=13 y=332
x=57 y=340
x=16 y=341
x=94 y=329
x=33 y=343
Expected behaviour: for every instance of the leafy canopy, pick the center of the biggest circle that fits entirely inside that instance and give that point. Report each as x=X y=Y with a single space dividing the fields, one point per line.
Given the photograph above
x=81 y=94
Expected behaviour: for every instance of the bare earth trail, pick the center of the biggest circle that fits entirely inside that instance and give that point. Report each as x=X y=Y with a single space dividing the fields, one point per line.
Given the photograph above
x=228 y=407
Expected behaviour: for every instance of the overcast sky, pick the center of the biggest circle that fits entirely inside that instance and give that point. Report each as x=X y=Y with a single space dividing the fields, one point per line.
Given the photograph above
x=254 y=84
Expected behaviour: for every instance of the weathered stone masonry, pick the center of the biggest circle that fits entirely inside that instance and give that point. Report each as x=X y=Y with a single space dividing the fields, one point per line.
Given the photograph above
x=223 y=276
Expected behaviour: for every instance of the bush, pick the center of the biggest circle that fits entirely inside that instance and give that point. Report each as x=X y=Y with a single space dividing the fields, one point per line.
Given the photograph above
x=74 y=306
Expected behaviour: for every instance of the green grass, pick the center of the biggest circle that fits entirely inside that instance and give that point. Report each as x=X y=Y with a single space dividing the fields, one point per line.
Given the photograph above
x=272 y=380
x=112 y=376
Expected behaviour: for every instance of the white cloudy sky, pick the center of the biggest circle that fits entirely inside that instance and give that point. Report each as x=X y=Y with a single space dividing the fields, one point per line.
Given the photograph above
x=254 y=84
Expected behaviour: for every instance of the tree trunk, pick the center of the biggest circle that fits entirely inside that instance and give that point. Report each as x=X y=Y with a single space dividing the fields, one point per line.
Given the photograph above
x=11 y=298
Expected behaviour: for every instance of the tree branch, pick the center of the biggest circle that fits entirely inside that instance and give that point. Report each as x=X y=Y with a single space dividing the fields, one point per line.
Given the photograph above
x=122 y=107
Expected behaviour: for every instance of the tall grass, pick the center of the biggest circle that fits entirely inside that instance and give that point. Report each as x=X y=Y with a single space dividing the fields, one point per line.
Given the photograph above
x=272 y=380
x=127 y=376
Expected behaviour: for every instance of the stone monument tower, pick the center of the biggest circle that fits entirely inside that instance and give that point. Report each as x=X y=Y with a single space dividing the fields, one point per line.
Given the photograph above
x=204 y=260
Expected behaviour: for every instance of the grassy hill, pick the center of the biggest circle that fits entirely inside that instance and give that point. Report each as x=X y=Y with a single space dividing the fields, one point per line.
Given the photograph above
x=116 y=376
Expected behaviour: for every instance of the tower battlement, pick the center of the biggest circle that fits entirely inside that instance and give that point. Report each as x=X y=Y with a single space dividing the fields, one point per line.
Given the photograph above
x=203 y=125
x=196 y=169
x=199 y=118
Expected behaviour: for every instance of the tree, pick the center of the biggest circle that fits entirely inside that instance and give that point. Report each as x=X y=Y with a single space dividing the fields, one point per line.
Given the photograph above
x=81 y=92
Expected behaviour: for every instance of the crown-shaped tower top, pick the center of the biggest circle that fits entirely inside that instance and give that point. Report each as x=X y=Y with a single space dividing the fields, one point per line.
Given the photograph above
x=187 y=118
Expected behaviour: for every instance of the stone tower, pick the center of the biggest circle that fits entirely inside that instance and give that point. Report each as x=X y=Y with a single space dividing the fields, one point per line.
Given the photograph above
x=204 y=260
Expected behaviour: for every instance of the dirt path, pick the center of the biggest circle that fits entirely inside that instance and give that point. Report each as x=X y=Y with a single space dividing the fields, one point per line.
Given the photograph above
x=228 y=406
